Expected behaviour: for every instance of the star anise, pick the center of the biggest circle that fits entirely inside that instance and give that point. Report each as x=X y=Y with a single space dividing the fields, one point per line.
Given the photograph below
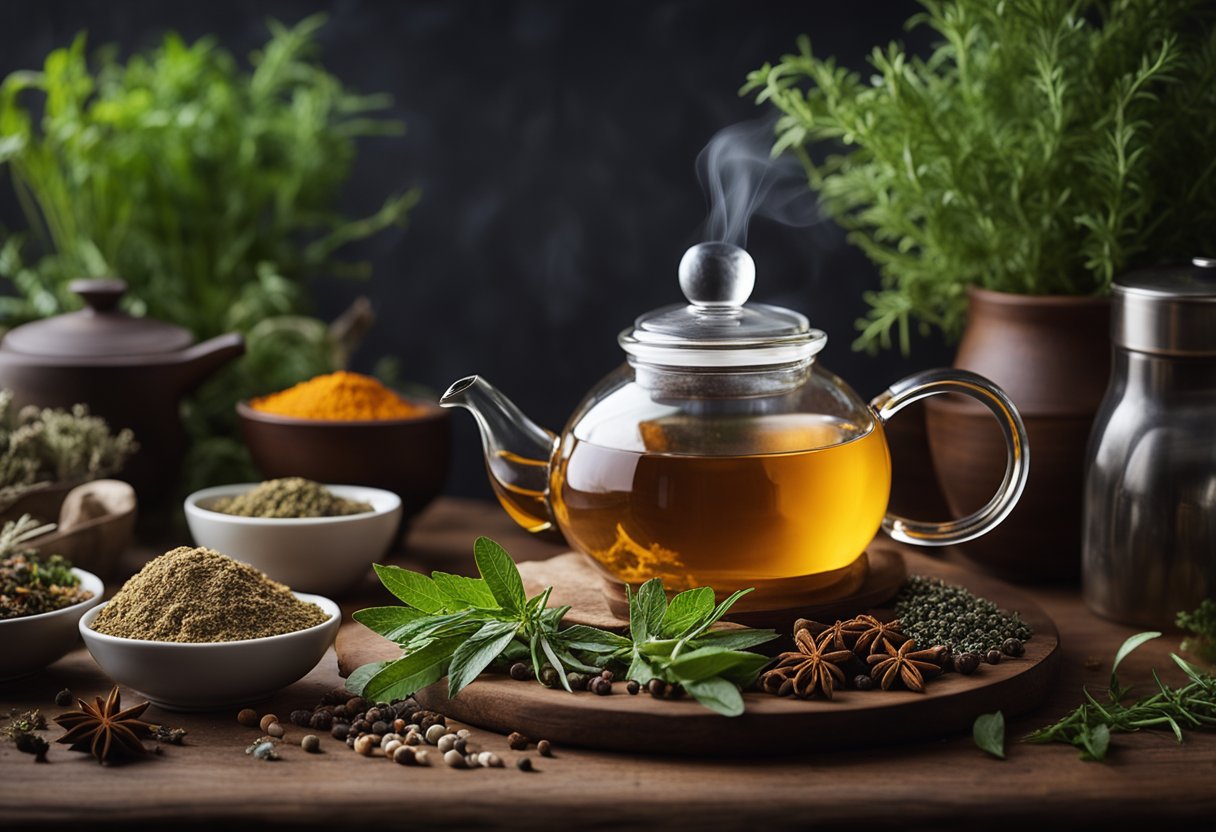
x=874 y=633
x=813 y=669
x=906 y=664
x=104 y=729
x=843 y=634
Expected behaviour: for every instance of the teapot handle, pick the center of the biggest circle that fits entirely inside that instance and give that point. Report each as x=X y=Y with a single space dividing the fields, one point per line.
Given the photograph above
x=1017 y=466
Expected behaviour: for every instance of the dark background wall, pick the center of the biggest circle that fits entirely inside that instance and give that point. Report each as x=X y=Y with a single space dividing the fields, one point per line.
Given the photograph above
x=554 y=143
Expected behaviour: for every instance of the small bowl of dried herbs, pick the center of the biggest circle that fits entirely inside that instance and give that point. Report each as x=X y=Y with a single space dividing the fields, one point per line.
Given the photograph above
x=313 y=537
x=196 y=630
x=41 y=601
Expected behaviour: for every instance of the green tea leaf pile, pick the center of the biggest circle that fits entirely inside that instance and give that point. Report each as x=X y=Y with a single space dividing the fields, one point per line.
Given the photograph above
x=457 y=627
x=199 y=595
x=935 y=612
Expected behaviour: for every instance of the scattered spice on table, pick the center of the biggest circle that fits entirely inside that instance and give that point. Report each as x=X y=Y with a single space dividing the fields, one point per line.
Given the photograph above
x=198 y=595
x=935 y=612
x=30 y=584
x=292 y=497
x=104 y=729
x=339 y=397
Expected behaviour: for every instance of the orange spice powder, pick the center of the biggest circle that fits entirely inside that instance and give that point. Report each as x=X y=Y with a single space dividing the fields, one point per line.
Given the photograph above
x=341 y=397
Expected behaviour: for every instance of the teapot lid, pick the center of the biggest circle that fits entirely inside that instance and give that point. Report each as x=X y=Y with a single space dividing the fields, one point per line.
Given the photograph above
x=100 y=329
x=718 y=328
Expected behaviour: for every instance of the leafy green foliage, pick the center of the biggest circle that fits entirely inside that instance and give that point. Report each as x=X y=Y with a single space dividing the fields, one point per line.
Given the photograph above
x=988 y=731
x=207 y=187
x=457 y=626
x=1041 y=148
x=1090 y=726
x=1201 y=622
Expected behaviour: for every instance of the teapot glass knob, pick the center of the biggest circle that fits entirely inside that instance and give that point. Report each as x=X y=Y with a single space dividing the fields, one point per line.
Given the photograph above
x=717 y=276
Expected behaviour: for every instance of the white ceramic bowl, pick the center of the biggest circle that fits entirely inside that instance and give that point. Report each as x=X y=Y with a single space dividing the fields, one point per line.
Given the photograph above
x=199 y=677
x=32 y=642
x=313 y=554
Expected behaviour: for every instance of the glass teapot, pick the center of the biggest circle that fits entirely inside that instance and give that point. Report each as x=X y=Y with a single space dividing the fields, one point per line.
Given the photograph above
x=719 y=454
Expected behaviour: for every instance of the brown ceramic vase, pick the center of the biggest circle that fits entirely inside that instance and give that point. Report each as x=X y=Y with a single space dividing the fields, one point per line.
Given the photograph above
x=1051 y=354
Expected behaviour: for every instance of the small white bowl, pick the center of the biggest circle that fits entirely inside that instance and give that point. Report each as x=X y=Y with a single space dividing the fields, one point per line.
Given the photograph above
x=314 y=554
x=34 y=641
x=207 y=676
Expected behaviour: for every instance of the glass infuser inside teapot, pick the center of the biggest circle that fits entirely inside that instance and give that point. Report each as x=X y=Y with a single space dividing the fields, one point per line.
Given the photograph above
x=720 y=454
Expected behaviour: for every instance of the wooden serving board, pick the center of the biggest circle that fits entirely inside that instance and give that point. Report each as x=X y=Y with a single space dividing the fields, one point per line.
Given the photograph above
x=770 y=725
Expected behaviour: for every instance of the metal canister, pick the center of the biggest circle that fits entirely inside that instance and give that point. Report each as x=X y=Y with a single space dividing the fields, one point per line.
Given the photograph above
x=1150 y=490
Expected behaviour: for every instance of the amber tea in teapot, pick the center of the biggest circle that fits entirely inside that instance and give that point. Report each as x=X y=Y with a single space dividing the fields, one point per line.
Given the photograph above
x=726 y=519
x=720 y=453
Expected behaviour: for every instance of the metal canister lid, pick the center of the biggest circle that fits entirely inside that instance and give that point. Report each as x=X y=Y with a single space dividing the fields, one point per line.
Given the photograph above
x=1168 y=311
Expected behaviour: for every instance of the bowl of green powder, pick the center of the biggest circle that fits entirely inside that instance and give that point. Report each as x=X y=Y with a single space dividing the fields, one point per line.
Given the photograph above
x=314 y=537
x=196 y=630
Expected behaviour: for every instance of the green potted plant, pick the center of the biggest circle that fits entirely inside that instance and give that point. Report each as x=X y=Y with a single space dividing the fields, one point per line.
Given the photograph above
x=1000 y=183
x=209 y=187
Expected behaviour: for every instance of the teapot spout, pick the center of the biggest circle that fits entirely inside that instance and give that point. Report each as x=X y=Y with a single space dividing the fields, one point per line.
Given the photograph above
x=517 y=451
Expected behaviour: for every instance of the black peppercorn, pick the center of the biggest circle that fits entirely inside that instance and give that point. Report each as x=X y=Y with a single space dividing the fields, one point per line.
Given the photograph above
x=517 y=741
x=380 y=727
x=339 y=731
x=657 y=688
x=544 y=748
x=524 y=764
x=321 y=721
x=521 y=672
x=863 y=681
x=64 y=698
x=967 y=663
x=373 y=715
x=632 y=687
x=356 y=705
x=576 y=680
x=339 y=712
x=1013 y=647
x=993 y=656
x=606 y=674
x=549 y=677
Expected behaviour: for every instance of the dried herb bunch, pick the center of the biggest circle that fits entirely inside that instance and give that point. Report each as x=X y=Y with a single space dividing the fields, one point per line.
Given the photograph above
x=43 y=446
x=30 y=585
x=1041 y=148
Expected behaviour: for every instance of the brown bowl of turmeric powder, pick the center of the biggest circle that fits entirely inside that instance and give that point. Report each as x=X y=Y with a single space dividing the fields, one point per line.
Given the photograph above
x=349 y=428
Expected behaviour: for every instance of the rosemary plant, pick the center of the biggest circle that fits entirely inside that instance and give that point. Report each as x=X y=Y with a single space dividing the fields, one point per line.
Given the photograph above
x=1041 y=148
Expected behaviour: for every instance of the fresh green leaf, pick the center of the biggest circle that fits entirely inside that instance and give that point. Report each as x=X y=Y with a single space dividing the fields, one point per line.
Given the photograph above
x=388 y=621
x=989 y=733
x=500 y=574
x=735 y=638
x=1127 y=647
x=706 y=662
x=411 y=588
x=475 y=654
x=685 y=611
x=717 y=614
x=462 y=590
x=360 y=676
x=1094 y=742
x=556 y=662
x=718 y=695
x=651 y=605
x=412 y=672
x=592 y=639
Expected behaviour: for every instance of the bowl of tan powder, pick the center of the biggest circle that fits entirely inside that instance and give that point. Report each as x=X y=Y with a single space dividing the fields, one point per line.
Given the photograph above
x=349 y=428
x=311 y=536
x=196 y=630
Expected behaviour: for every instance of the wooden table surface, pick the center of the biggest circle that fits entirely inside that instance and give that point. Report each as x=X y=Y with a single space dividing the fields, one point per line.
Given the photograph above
x=948 y=783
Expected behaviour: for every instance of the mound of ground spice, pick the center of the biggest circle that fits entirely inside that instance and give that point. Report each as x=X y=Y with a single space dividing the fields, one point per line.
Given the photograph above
x=341 y=397
x=198 y=595
x=290 y=497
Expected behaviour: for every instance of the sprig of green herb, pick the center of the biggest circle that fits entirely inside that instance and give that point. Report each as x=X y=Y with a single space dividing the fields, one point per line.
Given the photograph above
x=1089 y=727
x=458 y=626
x=1042 y=147
x=1201 y=622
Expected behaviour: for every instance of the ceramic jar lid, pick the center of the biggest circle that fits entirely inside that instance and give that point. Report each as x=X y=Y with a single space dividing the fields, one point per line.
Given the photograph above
x=1167 y=311
x=718 y=328
x=100 y=329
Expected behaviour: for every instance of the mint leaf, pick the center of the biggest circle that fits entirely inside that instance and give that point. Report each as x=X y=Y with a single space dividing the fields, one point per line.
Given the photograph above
x=746 y=668
x=391 y=622
x=591 y=639
x=988 y=731
x=500 y=574
x=651 y=605
x=718 y=695
x=734 y=639
x=411 y=588
x=360 y=676
x=460 y=591
x=686 y=611
x=412 y=672
x=475 y=655
x=704 y=663
x=718 y=612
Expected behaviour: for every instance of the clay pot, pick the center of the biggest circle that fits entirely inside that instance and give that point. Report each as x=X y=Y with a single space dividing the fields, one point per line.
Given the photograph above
x=1051 y=354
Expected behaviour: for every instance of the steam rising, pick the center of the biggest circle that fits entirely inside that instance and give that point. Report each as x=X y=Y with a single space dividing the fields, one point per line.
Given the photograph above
x=742 y=179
